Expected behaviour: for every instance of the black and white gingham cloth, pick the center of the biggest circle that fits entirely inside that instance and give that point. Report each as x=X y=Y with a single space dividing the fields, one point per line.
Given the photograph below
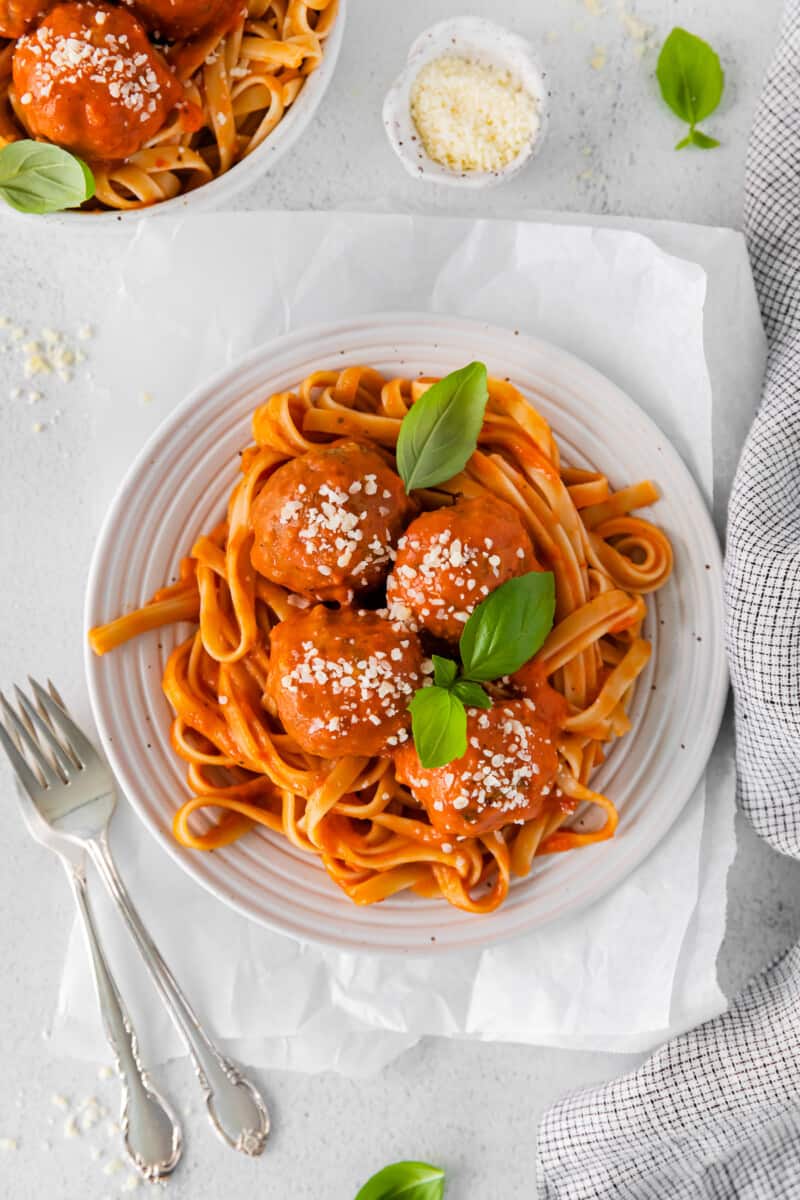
x=716 y=1112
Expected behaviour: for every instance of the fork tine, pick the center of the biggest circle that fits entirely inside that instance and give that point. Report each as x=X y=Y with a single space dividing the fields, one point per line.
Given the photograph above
x=43 y=764
x=42 y=729
x=48 y=720
x=54 y=692
x=24 y=773
x=78 y=743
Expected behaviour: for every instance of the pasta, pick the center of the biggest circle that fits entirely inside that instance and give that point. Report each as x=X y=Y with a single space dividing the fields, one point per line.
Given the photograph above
x=237 y=84
x=369 y=831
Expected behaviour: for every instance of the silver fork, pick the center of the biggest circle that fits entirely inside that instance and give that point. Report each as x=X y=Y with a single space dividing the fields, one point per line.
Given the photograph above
x=73 y=798
x=150 y=1131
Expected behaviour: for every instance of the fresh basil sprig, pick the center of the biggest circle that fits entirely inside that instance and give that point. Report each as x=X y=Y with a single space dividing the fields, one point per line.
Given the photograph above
x=405 y=1181
x=36 y=177
x=440 y=432
x=691 y=80
x=503 y=633
x=438 y=725
x=509 y=626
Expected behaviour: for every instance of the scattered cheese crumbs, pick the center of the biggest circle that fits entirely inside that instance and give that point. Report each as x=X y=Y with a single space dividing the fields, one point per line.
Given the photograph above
x=37 y=427
x=114 y=1166
x=112 y=1129
x=33 y=397
x=105 y=1073
x=472 y=116
x=60 y=1101
x=147 y=397
x=8 y=1144
x=598 y=59
x=85 y=332
x=71 y=1129
x=91 y=1114
x=130 y=1184
x=634 y=28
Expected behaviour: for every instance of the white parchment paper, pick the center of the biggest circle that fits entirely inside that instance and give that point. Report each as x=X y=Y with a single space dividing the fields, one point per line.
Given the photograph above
x=195 y=295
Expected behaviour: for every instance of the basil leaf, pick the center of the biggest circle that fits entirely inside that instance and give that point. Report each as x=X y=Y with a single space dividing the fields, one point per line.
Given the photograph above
x=405 y=1181
x=696 y=137
x=439 y=433
x=471 y=694
x=509 y=626
x=438 y=726
x=692 y=81
x=36 y=177
x=444 y=671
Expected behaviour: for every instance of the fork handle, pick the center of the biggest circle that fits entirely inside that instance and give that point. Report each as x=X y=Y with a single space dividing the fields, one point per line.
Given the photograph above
x=235 y=1107
x=151 y=1133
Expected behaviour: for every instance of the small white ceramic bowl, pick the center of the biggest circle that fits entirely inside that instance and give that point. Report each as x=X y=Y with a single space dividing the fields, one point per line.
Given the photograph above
x=484 y=42
x=218 y=191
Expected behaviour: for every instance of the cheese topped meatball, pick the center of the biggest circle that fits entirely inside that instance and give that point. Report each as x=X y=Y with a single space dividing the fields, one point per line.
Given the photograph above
x=505 y=776
x=342 y=680
x=185 y=18
x=326 y=524
x=452 y=558
x=88 y=79
x=17 y=16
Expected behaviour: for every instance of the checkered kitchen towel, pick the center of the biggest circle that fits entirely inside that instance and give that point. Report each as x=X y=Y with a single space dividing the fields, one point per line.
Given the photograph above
x=716 y=1112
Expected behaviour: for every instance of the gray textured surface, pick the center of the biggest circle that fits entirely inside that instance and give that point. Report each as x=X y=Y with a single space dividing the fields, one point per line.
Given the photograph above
x=471 y=1107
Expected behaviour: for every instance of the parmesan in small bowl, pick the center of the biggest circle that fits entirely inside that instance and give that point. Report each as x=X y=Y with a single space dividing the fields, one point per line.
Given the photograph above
x=470 y=107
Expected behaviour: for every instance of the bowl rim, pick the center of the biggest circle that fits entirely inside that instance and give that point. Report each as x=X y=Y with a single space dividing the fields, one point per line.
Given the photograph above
x=222 y=187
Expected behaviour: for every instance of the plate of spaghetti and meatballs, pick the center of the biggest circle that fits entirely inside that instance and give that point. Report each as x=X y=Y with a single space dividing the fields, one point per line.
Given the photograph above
x=160 y=98
x=405 y=634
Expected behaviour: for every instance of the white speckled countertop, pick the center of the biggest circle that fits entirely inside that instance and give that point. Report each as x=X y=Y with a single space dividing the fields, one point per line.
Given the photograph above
x=472 y=1107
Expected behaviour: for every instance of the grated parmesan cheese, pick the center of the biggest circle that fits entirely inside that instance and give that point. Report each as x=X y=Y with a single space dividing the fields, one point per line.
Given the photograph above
x=472 y=116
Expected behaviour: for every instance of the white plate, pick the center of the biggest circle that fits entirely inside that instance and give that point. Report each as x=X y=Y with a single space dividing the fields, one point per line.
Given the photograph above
x=179 y=485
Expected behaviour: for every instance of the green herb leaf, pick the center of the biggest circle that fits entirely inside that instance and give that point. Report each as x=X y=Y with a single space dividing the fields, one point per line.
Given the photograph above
x=405 y=1181
x=440 y=431
x=36 y=177
x=444 y=671
x=438 y=726
x=691 y=80
x=509 y=626
x=697 y=138
x=471 y=694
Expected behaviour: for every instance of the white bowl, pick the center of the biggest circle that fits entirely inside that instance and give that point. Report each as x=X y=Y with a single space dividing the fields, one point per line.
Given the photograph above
x=218 y=191
x=485 y=42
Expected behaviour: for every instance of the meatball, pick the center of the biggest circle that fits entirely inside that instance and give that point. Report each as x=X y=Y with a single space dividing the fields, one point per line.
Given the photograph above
x=342 y=681
x=186 y=18
x=505 y=775
x=17 y=16
x=452 y=558
x=326 y=523
x=88 y=80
